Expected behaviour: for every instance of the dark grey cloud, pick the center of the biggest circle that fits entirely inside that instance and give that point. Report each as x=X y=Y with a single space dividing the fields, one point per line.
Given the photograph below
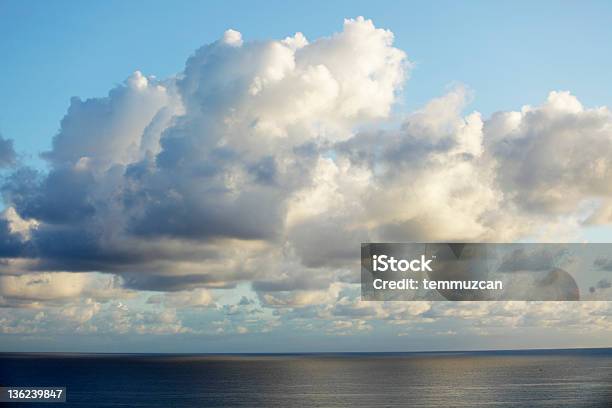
x=7 y=153
x=245 y=301
x=12 y=245
x=603 y=263
x=148 y=281
x=604 y=284
x=532 y=260
x=340 y=246
x=295 y=281
x=61 y=196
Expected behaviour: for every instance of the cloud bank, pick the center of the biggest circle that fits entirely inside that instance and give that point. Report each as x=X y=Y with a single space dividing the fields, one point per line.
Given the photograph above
x=268 y=162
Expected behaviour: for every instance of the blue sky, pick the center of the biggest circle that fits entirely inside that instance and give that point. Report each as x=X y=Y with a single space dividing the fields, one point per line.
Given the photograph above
x=184 y=202
x=509 y=53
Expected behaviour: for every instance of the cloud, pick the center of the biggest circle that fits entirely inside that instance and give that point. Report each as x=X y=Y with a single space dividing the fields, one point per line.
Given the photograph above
x=300 y=298
x=43 y=286
x=180 y=183
x=41 y=289
x=537 y=260
x=603 y=263
x=116 y=130
x=8 y=156
x=269 y=162
x=554 y=157
x=427 y=181
x=194 y=298
x=81 y=314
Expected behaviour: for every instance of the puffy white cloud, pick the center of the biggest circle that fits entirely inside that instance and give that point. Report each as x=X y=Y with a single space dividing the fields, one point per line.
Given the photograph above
x=232 y=37
x=193 y=298
x=97 y=138
x=119 y=129
x=296 y=297
x=42 y=289
x=17 y=225
x=554 y=157
x=43 y=286
x=81 y=313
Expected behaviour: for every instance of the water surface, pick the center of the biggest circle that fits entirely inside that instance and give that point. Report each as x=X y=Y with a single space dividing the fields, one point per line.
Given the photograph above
x=549 y=378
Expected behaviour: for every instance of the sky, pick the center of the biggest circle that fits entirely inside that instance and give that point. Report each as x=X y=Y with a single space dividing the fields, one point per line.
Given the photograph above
x=198 y=177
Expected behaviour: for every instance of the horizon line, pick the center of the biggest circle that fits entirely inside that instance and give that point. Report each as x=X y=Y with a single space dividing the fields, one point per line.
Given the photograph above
x=609 y=348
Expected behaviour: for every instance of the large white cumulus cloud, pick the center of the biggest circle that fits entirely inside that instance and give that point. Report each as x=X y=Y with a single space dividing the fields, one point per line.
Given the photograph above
x=188 y=181
x=252 y=165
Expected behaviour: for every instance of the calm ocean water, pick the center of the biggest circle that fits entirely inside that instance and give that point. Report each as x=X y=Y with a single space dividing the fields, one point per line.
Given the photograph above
x=555 y=378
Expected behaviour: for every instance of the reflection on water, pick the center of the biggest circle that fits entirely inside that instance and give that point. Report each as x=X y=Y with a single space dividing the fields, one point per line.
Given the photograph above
x=523 y=379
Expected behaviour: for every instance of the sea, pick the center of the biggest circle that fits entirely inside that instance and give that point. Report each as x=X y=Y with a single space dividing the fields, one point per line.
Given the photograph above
x=533 y=378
